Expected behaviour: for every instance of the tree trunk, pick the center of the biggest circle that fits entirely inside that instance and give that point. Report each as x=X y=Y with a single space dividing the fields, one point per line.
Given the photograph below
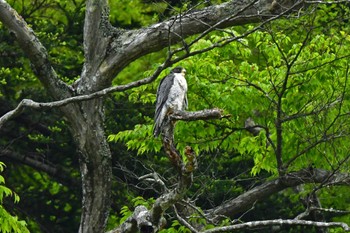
x=95 y=163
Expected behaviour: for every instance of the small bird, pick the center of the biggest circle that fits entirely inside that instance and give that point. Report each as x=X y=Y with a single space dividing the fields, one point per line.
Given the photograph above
x=171 y=97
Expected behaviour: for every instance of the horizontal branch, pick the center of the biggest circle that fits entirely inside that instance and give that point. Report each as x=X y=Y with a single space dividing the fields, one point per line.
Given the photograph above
x=198 y=115
x=27 y=103
x=327 y=2
x=311 y=209
x=279 y=222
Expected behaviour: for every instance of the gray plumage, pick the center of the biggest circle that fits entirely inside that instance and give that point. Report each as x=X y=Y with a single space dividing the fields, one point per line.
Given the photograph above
x=171 y=96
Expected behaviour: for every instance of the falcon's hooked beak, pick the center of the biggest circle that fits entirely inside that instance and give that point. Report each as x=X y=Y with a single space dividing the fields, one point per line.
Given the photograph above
x=183 y=72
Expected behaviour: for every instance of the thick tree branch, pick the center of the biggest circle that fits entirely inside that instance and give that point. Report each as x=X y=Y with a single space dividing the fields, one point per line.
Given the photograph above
x=97 y=36
x=130 y=45
x=95 y=42
x=35 y=51
x=304 y=176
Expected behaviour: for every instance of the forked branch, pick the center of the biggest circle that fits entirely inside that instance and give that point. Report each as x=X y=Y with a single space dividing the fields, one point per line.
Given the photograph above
x=152 y=220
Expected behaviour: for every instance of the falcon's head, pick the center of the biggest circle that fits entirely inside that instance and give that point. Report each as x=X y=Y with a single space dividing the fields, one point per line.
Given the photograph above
x=179 y=70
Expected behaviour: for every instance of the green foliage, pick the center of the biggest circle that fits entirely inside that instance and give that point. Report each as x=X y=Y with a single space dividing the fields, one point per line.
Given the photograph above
x=135 y=12
x=141 y=201
x=8 y=222
x=299 y=69
x=125 y=213
x=42 y=137
x=142 y=141
x=246 y=79
x=176 y=227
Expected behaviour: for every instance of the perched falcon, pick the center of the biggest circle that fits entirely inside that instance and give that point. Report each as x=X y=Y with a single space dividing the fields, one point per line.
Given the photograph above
x=171 y=96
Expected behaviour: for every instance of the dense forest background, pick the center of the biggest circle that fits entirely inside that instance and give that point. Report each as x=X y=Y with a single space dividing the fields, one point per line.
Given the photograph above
x=283 y=137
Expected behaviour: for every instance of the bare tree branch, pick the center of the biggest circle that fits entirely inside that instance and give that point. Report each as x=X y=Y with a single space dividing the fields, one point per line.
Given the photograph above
x=331 y=210
x=42 y=165
x=95 y=42
x=225 y=40
x=198 y=115
x=304 y=176
x=279 y=222
x=184 y=222
x=153 y=220
x=327 y=2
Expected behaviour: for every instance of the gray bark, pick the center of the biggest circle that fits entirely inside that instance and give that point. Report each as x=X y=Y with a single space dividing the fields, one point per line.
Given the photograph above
x=95 y=163
x=127 y=46
x=245 y=201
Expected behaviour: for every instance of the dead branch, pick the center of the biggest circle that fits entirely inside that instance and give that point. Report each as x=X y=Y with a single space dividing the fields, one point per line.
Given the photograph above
x=278 y=222
x=304 y=176
x=198 y=115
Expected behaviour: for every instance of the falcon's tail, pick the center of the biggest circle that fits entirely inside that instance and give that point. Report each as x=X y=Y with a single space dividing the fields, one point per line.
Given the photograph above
x=158 y=122
x=157 y=129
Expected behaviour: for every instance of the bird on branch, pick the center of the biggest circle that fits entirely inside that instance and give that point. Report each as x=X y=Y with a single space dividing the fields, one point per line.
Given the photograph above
x=171 y=97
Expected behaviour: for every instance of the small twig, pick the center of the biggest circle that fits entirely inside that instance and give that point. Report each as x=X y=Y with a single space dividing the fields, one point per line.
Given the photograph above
x=184 y=222
x=195 y=208
x=154 y=177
